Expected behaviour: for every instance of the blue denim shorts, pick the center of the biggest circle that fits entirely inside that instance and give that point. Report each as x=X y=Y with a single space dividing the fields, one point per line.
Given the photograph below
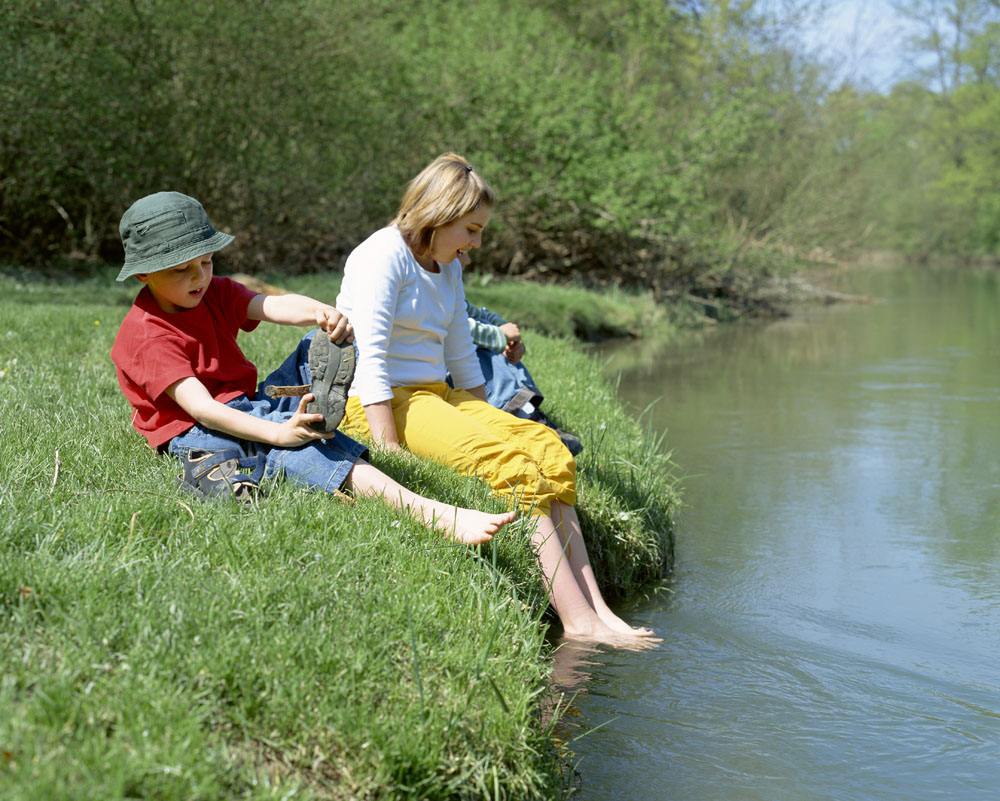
x=508 y=385
x=322 y=464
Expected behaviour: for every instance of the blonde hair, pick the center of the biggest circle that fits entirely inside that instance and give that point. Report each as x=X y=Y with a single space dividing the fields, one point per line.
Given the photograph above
x=443 y=191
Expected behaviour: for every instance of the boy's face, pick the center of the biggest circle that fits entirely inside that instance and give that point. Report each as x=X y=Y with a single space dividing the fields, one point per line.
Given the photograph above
x=181 y=287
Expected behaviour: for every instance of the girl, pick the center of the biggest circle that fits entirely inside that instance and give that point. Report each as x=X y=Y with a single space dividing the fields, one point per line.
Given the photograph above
x=403 y=293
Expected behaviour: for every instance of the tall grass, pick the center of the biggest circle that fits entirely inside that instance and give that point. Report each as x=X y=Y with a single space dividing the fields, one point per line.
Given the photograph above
x=154 y=646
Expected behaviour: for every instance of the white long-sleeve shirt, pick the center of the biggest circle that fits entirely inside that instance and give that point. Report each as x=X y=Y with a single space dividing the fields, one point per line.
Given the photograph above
x=410 y=325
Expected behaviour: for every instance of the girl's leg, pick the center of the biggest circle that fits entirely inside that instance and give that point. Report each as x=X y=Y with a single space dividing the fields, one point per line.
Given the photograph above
x=474 y=438
x=468 y=526
x=568 y=525
x=578 y=617
x=468 y=438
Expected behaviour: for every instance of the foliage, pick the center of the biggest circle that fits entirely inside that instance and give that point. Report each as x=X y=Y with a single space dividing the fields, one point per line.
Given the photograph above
x=644 y=144
x=930 y=148
x=594 y=125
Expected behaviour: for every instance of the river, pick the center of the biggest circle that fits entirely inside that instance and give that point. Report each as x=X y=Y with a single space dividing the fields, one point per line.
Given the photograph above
x=832 y=627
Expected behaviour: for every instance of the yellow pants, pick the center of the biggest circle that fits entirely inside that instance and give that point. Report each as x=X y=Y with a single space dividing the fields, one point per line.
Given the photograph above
x=518 y=458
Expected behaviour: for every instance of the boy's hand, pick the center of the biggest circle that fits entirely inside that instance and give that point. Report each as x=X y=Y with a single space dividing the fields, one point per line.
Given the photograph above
x=514 y=351
x=297 y=429
x=336 y=325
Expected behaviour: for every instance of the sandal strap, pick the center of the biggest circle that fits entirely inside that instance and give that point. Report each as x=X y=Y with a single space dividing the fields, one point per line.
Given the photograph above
x=198 y=470
x=199 y=466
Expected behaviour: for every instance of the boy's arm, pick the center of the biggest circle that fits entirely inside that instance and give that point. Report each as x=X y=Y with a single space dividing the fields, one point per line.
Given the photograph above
x=301 y=310
x=192 y=396
x=483 y=315
x=504 y=338
x=485 y=335
x=491 y=331
x=484 y=326
x=514 y=350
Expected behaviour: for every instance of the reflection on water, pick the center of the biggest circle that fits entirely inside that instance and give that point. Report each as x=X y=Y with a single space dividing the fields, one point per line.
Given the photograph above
x=834 y=631
x=572 y=663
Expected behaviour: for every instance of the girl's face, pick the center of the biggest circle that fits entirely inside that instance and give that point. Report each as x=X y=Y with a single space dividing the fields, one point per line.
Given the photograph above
x=457 y=238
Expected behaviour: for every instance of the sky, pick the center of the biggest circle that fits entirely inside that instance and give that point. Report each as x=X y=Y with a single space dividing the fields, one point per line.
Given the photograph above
x=864 y=40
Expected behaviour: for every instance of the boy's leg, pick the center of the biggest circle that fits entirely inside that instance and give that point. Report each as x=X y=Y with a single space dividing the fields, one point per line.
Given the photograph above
x=322 y=464
x=330 y=464
x=508 y=386
x=198 y=438
x=293 y=370
x=468 y=526
x=217 y=464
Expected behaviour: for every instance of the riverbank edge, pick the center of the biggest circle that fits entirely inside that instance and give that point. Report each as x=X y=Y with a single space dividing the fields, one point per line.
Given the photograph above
x=125 y=670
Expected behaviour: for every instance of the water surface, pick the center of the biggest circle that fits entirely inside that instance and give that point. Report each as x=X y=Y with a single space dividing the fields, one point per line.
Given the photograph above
x=832 y=630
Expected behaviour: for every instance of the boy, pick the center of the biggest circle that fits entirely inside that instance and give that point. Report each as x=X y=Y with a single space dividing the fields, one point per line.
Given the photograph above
x=194 y=393
x=509 y=385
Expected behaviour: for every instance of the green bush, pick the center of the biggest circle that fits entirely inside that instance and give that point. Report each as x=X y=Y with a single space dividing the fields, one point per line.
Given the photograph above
x=298 y=124
x=641 y=144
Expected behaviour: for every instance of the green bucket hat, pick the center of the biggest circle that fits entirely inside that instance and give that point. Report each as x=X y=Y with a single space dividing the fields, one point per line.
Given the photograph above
x=166 y=229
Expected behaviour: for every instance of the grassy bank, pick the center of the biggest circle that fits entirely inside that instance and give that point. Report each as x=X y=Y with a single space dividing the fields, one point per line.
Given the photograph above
x=557 y=310
x=158 y=647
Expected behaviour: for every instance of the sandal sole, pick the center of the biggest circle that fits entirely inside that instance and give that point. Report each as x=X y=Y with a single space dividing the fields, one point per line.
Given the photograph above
x=332 y=367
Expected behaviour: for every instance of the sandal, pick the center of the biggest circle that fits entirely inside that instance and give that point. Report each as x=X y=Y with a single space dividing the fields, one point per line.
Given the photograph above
x=227 y=473
x=332 y=367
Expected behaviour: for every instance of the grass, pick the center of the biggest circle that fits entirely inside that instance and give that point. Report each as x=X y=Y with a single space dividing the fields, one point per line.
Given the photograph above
x=570 y=311
x=158 y=647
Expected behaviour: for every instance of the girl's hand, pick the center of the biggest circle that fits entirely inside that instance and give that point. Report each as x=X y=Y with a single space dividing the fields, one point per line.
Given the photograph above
x=336 y=325
x=297 y=429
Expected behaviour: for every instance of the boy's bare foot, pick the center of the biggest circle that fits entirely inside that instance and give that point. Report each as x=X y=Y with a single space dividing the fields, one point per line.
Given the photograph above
x=472 y=527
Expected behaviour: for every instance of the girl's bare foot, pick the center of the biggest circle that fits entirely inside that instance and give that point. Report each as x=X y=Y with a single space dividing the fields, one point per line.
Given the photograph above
x=597 y=631
x=614 y=639
x=471 y=527
x=631 y=642
x=615 y=623
x=589 y=629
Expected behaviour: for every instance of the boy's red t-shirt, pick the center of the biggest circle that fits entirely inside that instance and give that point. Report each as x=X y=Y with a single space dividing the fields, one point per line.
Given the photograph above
x=155 y=349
